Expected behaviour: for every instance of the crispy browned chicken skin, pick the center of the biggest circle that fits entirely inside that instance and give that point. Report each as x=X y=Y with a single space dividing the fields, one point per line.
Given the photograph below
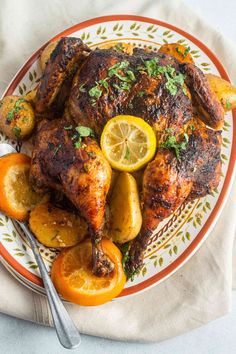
x=170 y=179
x=82 y=174
x=167 y=183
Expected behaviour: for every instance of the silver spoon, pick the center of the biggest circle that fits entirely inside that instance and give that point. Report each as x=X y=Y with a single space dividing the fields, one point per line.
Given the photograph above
x=67 y=333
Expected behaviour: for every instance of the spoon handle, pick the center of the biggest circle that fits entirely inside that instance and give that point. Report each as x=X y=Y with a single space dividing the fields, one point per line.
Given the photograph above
x=67 y=333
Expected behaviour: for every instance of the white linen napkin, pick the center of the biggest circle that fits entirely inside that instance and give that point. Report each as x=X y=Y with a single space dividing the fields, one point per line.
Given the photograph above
x=201 y=290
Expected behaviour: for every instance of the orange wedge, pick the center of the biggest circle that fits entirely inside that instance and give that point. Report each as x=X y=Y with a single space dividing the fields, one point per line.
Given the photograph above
x=16 y=195
x=73 y=278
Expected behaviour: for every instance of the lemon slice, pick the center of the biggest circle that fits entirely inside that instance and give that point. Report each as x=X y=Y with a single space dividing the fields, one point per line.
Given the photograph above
x=128 y=143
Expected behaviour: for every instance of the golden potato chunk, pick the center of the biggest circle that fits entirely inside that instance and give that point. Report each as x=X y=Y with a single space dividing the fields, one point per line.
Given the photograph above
x=125 y=213
x=225 y=92
x=55 y=227
x=17 y=119
x=178 y=51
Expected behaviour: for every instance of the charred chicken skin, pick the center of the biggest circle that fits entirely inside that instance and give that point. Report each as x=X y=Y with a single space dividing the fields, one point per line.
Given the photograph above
x=166 y=94
x=81 y=173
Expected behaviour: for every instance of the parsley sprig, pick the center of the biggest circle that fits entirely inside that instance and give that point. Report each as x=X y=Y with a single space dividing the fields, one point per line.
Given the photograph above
x=118 y=47
x=96 y=91
x=178 y=147
x=125 y=253
x=82 y=132
x=185 y=53
x=17 y=107
x=172 y=79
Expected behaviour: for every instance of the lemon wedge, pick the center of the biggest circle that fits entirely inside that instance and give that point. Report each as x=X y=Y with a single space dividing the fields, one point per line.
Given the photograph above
x=128 y=143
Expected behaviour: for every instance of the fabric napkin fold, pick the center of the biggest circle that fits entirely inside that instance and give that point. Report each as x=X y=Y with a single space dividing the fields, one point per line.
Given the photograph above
x=197 y=293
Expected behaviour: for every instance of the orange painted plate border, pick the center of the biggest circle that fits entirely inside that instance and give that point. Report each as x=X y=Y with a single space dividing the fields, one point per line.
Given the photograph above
x=204 y=232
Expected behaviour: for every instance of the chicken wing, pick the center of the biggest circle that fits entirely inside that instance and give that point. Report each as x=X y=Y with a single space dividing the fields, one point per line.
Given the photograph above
x=57 y=77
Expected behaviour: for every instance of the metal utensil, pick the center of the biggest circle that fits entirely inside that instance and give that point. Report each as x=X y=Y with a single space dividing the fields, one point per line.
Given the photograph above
x=67 y=333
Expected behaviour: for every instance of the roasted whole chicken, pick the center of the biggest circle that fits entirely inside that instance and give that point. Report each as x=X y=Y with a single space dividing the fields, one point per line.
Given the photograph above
x=90 y=87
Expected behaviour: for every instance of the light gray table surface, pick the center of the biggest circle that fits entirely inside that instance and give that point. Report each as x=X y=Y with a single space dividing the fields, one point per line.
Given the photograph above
x=218 y=337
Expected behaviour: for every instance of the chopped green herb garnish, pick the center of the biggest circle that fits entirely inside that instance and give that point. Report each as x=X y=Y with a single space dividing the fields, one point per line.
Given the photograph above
x=186 y=139
x=152 y=67
x=185 y=90
x=141 y=93
x=78 y=144
x=171 y=85
x=82 y=88
x=116 y=87
x=68 y=127
x=17 y=107
x=130 y=105
x=93 y=102
x=228 y=105
x=118 y=47
x=130 y=75
x=56 y=149
x=172 y=81
x=113 y=70
x=126 y=76
x=171 y=143
x=104 y=84
x=95 y=92
x=91 y=153
x=178 y=50
x=125 y=252
x=18 y=102
x=125 y=259
x=84 y=131
x=169 y=130
x=187 y=50
x=127 y=153
x=191 y=126
x=17 y=131
x=75 y=136
x=185 y=53
x=10 y=115
x=125 y=86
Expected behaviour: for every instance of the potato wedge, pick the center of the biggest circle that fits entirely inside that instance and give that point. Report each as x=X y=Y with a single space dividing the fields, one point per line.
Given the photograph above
x=125 y=213
x=225 y=92
x=17 y=118
x=46 y=53
x=55 y=227
x=178 y=51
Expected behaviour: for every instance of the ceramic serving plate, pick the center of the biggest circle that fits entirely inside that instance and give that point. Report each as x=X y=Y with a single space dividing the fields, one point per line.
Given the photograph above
x=178 y=237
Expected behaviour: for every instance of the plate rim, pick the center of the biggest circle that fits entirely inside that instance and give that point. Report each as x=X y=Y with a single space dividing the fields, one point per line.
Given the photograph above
x=228 y=180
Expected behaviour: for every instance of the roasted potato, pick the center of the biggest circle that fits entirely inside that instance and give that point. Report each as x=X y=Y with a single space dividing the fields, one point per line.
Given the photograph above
x=46 y=54
x=178 y=51
x=55 y=227
x=125 y=213
x=225 y=92
x=16 y=117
